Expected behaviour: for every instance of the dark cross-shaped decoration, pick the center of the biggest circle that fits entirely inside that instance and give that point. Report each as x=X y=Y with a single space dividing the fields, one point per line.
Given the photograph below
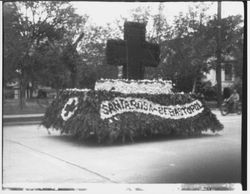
x=133 y=53
x=69 y=108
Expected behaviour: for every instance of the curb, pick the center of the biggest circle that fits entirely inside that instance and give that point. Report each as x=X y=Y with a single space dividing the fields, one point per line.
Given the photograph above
x=22 y=116
x=22 y=119
x=17 y=123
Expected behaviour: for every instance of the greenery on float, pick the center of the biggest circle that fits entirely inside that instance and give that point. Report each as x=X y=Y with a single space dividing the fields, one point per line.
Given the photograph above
x=86 y=121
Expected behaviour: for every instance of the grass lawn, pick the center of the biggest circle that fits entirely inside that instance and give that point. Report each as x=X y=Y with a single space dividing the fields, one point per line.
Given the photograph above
x=32 y=106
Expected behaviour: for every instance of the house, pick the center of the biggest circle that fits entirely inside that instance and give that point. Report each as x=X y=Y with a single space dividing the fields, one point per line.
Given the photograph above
x=228 y=76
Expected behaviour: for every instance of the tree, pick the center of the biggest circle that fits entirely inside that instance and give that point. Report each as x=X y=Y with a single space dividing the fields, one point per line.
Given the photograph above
x=191 y=43
x=44 y=30
x=140 y=14
x=160 y=33
x=14 y=46
x=92 y=51
x=12 y=41
x=232 y=39
x=69 y=27
x=190 y=49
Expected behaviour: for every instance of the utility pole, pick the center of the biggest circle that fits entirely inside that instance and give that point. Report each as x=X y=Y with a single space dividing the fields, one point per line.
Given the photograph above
x=218 y=66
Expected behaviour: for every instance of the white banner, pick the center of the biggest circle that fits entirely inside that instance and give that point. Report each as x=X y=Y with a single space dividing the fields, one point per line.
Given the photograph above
x=120 y=105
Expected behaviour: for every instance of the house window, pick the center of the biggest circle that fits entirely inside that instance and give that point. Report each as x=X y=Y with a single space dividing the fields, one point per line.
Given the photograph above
x=228 y=72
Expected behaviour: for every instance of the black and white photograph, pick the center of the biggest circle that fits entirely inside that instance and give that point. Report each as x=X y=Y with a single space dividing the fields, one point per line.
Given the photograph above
x=129 y=96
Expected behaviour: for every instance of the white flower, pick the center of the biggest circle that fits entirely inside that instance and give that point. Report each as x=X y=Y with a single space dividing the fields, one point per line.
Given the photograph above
x=135 y=86
x=77 y=90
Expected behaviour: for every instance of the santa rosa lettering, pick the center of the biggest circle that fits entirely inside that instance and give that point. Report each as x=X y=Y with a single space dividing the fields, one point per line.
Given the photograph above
x=121 y=105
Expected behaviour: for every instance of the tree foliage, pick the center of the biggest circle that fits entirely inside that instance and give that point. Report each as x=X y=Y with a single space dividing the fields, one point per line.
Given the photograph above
x=12 y=41
x=45 y=30
x=190 y=45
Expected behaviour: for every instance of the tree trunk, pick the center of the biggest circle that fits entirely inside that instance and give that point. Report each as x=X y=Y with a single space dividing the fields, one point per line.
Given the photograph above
x=21 y=89
x=21 y=92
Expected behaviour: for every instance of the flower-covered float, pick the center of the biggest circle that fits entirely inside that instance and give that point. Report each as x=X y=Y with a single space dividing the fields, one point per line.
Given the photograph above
x=120 y=110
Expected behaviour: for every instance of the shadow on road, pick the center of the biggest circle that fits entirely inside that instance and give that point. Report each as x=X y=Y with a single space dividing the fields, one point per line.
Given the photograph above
x=92 y=142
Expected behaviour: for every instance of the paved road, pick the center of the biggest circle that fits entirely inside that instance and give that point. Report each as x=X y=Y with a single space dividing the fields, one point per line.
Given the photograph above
x=32 y=156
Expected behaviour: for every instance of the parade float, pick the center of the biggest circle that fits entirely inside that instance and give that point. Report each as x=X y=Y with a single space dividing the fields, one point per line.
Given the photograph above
x=124 y=109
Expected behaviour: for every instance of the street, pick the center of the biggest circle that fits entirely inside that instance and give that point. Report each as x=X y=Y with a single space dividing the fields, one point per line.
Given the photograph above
x=31 y=155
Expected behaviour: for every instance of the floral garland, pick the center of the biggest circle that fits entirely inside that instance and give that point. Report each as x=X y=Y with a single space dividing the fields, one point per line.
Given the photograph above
x=76 y=90
x=135 y=86
x=138 y=81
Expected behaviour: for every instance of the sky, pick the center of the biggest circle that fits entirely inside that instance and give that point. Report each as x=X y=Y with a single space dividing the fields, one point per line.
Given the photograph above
x=106 y=12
